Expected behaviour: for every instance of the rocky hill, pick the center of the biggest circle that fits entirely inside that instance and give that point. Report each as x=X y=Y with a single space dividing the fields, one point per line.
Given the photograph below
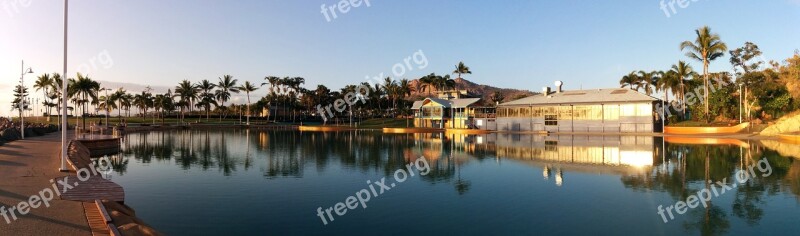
x=485 y=91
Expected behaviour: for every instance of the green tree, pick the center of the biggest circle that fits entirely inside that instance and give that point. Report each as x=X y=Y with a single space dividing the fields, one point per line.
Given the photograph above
x=461 y=69
x=225 y=86
x=248 y=87
x=706 y=47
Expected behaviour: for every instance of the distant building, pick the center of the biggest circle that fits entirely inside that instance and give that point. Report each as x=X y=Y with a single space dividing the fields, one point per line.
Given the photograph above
x=613 y=110
x=445 y=113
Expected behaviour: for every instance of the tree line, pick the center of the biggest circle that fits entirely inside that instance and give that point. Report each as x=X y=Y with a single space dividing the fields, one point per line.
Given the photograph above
x=286 y=99
x=766 y=90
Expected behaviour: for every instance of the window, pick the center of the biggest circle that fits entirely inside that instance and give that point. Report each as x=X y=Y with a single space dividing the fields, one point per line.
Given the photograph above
x=565 y=112
x=611 y=112
x=524 y=112
x=627 y=110
x=644 y=109
x=536 y=112
x=551 y=146
x=550 y=120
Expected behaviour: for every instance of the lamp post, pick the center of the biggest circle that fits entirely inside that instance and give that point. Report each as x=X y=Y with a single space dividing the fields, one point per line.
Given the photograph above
x=22 y=98
x=740 y=103
x=106 y=105
x=64 y=99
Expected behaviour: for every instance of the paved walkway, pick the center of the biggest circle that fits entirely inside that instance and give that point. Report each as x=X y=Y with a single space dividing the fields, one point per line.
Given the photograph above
x=26 y=167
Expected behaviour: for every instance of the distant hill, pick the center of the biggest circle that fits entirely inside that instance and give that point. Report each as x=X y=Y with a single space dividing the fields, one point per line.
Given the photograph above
x=485 y=91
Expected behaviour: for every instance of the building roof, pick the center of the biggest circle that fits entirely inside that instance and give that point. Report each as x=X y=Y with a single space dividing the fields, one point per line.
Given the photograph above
x=453 y=103
x=584 y=96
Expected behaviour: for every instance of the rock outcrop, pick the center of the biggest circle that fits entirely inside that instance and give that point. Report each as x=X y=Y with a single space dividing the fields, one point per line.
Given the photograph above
x=787 y=124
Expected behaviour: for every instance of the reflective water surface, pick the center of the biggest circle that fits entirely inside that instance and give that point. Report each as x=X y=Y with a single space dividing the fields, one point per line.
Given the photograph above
x=202 y=182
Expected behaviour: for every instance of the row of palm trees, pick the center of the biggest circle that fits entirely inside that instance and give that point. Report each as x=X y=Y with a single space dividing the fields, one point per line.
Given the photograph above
x=705 y=48
x=284 y=94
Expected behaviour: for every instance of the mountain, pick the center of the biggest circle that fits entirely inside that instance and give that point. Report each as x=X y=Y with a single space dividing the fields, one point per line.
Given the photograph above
x=482 y=90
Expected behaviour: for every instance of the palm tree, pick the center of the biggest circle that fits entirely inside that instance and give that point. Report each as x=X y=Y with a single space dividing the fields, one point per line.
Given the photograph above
x=55 y=93
x=649 y=81
x=461 y=69
x=706 y=48
x=630 y=80
x=118 y=97
x=206 y=97
x=85 y=88
x=273 y=81
x=428 y=82
x=143 y=102
x=247 y=87
x=44 y=82
x=187 y=93
x=669 y=81
x=390 y=87
x=225 y=86
x=683 y=71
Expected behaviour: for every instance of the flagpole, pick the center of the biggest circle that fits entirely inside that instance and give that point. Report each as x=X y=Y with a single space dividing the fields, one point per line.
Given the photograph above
x=64 y=125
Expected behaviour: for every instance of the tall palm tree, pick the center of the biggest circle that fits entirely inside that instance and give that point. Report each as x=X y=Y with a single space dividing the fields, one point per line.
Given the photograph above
x=684 y=72
x=390 y=87
x=206 y=98
x=187 y=92
x=630 y=80
x=428 y=82
x=461 y=69
x=55 y=93
x=248 y=87
x=225 y=86
x=706 y=47
x=273 y=82
x=648 y=81
x=118 y=97
x=669 y=82
x=44 y=83
x=85 y=88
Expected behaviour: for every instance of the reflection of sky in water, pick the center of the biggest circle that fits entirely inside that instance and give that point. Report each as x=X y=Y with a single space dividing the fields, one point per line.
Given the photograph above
x=271 y=182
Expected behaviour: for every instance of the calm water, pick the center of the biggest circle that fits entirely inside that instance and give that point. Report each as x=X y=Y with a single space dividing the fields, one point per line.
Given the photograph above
x=232 y=182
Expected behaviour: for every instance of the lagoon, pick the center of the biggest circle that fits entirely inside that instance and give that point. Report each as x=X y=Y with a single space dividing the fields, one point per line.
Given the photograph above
x=239 y=181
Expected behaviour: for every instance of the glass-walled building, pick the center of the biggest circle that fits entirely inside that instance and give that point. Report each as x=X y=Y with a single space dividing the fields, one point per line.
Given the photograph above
x=597 y=110
x=443 y=113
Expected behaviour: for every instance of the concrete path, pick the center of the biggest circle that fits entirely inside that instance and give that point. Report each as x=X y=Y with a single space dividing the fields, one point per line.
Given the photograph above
x=26 y=168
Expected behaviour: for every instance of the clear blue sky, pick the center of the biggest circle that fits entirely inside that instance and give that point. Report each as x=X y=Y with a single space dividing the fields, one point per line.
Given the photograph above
x=516 y=44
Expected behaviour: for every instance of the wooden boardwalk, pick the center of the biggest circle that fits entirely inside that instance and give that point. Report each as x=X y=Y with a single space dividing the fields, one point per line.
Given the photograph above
x=97 y=221
x=94 y=188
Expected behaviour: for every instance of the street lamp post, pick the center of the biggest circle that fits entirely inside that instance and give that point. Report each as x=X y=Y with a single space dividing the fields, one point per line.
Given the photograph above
x=64 y=98
x=106 y=105
x=740 y=103
x=22 y=98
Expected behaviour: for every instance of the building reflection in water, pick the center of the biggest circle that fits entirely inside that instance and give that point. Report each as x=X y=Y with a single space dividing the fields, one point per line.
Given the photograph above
x=590 y=154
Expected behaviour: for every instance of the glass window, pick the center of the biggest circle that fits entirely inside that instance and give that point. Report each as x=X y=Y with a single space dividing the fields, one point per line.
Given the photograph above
x=644 y=109
x=565 y=113
x=627 y=110
x=536 y=112
x=611 y=112
x=550 y=120
x=524 y=112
